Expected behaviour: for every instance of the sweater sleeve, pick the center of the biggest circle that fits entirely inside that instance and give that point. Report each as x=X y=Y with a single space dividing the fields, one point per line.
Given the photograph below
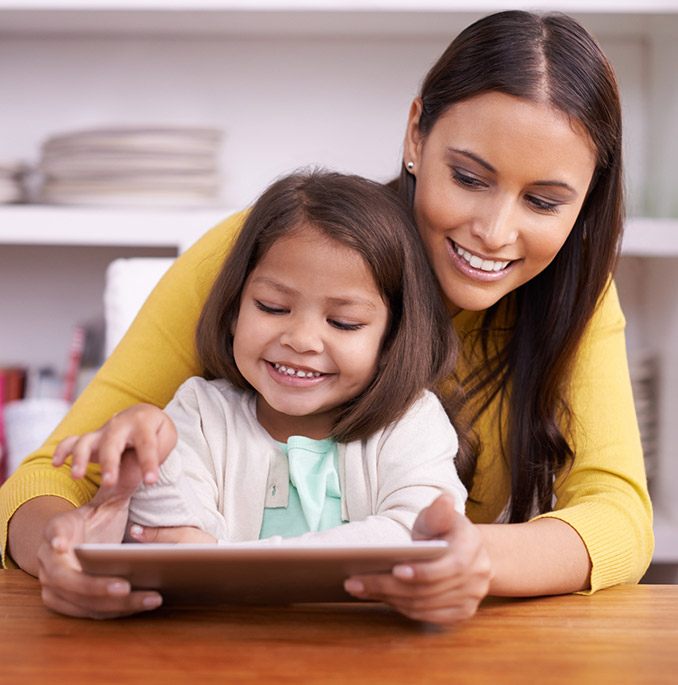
x=187 y=491
x=604 y=496
x=407 y=466
x=155 y=356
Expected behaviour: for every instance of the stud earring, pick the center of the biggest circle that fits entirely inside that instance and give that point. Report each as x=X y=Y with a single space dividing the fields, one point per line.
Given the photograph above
x=410 y=166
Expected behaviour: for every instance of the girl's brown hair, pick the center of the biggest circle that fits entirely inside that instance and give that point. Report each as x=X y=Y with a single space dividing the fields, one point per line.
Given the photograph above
x=418 y=348
x=552 y=59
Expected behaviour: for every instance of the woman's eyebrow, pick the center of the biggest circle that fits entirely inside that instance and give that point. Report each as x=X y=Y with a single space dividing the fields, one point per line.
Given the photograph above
x=474 y=157
x=491 y=169
x=557 y=184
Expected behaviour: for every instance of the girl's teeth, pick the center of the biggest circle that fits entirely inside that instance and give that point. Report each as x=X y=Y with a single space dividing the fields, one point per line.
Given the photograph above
x=478 y=263
x=298 y=373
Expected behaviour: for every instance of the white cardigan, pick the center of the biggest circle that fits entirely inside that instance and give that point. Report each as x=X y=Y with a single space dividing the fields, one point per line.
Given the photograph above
x=226 y=469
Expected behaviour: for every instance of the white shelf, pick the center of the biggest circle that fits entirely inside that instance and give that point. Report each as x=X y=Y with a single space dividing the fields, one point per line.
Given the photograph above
x=304 y=17
x=604 y=6
x=666 y=541
x=645 y=237
x=50 y=225
x=47 y=225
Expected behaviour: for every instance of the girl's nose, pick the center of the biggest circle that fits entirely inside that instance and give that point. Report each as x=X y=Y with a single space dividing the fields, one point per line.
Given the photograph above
x=498 y=226
x=302 y=335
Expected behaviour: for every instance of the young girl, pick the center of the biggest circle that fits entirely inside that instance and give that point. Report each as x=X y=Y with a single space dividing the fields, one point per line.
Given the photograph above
x=320 y=337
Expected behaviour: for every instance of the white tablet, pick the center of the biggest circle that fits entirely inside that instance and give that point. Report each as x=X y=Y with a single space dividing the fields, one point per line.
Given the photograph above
x=248 y=573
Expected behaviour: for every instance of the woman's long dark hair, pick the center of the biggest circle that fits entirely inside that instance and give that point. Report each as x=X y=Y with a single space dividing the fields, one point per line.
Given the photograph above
x=419 y=346
x=552 y=59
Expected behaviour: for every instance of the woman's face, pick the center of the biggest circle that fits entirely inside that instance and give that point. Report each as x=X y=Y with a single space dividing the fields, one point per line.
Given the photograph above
x=499 y=184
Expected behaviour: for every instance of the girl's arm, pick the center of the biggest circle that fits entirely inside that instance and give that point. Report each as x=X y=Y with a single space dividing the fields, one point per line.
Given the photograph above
x=156 y=355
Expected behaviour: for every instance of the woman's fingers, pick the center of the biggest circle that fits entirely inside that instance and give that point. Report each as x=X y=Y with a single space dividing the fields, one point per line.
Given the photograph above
x=438 y=520
x=65 y=588
x=72 y=592
x=134 y=603
x=443 y=616
x=444 y=590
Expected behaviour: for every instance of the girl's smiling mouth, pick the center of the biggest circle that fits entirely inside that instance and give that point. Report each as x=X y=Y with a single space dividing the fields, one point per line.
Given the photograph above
x=295 y=371
x=295 y=376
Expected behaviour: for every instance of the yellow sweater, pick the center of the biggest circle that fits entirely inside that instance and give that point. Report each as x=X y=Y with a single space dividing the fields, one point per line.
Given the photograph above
x=603 y=496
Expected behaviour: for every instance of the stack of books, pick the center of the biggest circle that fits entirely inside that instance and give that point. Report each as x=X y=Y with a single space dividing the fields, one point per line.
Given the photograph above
x=161 y=166
x=11 y=183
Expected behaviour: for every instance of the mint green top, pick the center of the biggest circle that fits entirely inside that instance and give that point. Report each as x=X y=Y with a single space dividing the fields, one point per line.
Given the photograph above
x=314 y=501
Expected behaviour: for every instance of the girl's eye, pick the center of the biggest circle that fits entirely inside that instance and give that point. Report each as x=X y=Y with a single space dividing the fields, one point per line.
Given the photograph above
x=268 y=309
x=344 y=326
x=466 y=181
x=543 y=205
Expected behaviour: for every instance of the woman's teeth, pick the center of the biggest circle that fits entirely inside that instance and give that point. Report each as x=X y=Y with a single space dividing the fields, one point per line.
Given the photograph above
x=478 y=263
x=288 y=370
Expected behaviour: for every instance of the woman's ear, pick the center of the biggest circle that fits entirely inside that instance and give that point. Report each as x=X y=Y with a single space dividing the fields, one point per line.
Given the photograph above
x=413 y=137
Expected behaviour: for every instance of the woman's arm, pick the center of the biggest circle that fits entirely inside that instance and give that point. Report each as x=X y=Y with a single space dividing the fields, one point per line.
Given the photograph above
x=26 y=529
x=599 y=533
x=156 y=355
x=537 y=558
x=542 y=557
x=603 y=494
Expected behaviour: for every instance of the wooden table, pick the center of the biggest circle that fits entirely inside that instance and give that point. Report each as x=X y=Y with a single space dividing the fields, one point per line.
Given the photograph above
x=626 y=635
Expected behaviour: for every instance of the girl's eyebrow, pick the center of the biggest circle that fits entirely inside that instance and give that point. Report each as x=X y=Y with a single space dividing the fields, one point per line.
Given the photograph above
x=336 y=301
x=483 y=163
x=349 y=301
x=275 y=285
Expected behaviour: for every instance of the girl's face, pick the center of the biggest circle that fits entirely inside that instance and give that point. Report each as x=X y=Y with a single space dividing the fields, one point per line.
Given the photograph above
x=499 y=184
x=309 y=332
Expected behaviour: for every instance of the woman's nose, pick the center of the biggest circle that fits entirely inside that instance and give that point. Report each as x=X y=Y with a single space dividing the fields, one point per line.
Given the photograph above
x=498 y=226
x=302 y=335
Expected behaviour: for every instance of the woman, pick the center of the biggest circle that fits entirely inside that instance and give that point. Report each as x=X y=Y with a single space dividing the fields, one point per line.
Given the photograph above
x=512 y=166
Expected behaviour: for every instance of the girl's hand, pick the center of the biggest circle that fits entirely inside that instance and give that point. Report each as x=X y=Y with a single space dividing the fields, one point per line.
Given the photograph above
x=65 y=588
x=144 y=430
x=170 y=535
x=443 y=591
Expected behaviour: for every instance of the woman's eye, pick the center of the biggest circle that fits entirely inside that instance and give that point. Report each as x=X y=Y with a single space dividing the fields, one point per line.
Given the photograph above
x=268 y=309
x=467 y=181
x=543 y=205
x=344 y=326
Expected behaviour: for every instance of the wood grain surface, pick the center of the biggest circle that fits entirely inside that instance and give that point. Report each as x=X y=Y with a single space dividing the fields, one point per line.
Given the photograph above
x=625 y=635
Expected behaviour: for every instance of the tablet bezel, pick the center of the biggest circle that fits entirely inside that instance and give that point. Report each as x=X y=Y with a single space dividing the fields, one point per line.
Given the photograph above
x=249 y=573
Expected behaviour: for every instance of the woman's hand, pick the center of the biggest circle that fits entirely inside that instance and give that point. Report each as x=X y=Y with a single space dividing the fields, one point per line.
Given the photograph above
x=65 y=588
x=446 y=590
x=143 y=428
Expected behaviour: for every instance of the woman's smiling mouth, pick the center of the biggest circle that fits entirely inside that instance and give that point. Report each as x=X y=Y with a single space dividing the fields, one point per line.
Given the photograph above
x=476 y=267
